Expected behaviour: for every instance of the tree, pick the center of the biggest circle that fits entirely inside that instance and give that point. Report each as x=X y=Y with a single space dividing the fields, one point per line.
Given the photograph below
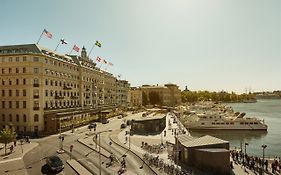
x=7 y=135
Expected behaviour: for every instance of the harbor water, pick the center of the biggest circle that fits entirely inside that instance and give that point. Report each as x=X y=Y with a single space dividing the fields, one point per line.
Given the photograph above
x=270 y=111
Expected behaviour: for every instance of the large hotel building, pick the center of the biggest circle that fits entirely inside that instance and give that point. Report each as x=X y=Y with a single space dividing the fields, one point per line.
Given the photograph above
x=43 y=91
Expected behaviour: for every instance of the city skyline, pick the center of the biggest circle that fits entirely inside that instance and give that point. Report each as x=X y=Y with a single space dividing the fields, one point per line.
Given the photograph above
x=218 y=45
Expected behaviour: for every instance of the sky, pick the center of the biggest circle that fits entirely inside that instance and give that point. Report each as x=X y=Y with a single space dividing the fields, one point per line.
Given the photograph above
x=231 y=45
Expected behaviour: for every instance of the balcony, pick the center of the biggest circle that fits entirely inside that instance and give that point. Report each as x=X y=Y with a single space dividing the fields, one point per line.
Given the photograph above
x=74 y=97
x=59 y=97
x=36 y=96
x=36 y=108
x=35 y=85
x=67 y=88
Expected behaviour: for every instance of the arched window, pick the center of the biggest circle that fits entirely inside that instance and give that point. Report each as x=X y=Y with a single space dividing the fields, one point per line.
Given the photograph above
x=36 y=117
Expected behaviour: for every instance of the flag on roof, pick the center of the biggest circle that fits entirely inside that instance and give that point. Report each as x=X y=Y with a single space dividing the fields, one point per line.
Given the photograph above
x=63 y=41
x=111 y=64
x=98 y=44
x=47 y=34
x=98 y=59
x=104 y=61
x=76 y=48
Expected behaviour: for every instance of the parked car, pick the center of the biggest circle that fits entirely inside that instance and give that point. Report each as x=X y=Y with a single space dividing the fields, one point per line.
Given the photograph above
x=92 y=125
x=123 y=125
x=104 y=121
x=55 y=163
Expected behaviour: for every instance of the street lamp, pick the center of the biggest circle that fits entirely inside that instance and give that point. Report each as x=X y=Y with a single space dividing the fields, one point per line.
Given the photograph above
x=263 y=148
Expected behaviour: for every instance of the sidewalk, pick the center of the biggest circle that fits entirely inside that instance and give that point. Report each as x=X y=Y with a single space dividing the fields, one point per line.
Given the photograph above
x=18 y=152
x=12 y=164
x=77 y=167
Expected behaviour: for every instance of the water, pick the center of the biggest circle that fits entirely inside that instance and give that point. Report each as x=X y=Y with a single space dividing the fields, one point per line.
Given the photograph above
x=270 y=111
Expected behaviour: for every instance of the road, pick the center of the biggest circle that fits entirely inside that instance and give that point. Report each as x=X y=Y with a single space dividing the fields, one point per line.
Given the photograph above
x=36 y=164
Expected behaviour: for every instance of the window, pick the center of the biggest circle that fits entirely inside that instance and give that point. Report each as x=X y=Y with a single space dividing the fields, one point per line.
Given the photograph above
x=10 y=93
x=10 y=118
x=46 y=93
x=17 y=59
x=17 y=70
x=17 y=104
x=46 y=82
x=35 y=59
x=24 y=58
x=3 y=118
x=3 y=93
x=24 y=118
x=10 y=82
x=17 y=81
x=10 y=59
x=36 y=81
x=17 y=118
x=3 y=82
x=3 y=104
x=36 y=70
x=36 y=118
x=10 y=70
x=17 y=93
x=23 y=70
x=24 y=81
x=24 y=92
x=24 y=104
x=10 y=104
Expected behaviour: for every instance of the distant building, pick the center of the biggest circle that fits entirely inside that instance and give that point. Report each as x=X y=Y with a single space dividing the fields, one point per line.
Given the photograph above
x=135 y=99
x=43 y=91
x=167 y=95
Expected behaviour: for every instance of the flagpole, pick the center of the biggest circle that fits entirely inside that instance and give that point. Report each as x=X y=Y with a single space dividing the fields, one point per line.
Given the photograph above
x=58 y=45
x=91 y=51
x=40 y=37
x=70 y=51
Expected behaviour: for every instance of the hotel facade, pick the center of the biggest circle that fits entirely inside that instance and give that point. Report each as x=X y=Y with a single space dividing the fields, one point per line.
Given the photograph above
x=43 y=92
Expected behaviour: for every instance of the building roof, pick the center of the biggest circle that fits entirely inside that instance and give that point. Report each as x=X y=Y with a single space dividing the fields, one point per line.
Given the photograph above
x=214 y=150
x=184 y=138
x=150 y=117
x=202 y=141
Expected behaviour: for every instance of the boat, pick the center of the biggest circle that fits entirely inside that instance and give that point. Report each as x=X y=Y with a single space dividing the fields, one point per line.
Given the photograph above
x=211 y=116
x=216 y=121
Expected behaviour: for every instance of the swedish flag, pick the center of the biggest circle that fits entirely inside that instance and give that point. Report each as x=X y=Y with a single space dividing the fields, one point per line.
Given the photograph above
x=98 y=44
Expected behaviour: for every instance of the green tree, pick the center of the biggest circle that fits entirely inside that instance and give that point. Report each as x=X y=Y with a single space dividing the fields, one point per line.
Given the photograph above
x=7 y=135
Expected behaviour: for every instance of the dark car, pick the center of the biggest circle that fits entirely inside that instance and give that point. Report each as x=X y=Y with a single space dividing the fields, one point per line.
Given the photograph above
x=92 y=125
x=105 y=121
x=123 y=125
x=55 y=163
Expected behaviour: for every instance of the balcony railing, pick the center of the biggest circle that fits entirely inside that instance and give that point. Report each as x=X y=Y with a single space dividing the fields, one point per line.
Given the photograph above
x=36 y=108
x=74 y=97
x=59 y=97
x=67 y=88
x=35 y=96
x=35 y=85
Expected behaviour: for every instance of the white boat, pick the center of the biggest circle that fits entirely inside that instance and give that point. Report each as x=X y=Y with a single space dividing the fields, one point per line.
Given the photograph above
x=222 y=121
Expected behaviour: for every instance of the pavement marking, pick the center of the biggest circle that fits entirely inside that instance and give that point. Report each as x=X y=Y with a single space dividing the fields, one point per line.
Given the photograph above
x=90 y=163
x=10 y=160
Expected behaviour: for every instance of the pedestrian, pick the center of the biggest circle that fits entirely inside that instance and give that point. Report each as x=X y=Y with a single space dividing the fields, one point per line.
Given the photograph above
x=11 y=148
x=15 y=142
x=164 y=133
x=231 y=165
